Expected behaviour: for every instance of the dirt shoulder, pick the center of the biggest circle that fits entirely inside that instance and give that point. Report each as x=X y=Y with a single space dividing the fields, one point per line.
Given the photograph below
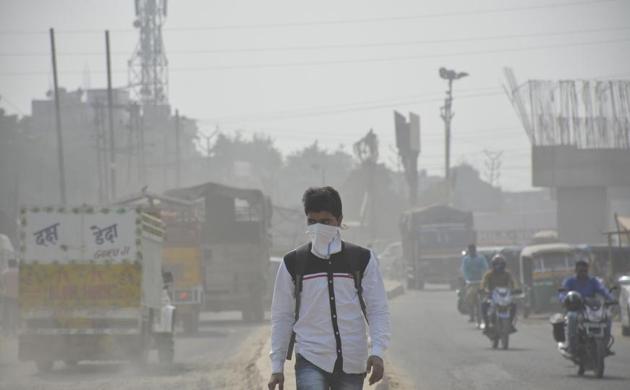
x=235 y=373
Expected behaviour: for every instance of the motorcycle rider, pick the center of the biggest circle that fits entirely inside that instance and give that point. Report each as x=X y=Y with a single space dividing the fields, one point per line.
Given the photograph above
x=497 y=276
x=473 y=267
x=588 y=287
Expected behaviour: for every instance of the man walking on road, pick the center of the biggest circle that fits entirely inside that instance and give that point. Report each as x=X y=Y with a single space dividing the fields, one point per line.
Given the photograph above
x=324 y=294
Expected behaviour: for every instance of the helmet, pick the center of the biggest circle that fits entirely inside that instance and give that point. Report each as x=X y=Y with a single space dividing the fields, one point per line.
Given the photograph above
x=581 y=262
x=498 y=263
x=573 y=301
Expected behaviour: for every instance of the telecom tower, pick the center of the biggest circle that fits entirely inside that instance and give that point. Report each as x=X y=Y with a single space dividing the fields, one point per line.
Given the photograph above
x=148 y=67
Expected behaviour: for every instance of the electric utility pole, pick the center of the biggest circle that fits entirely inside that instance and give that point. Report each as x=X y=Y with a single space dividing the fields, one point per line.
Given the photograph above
x=110 y=113
x=60 y=161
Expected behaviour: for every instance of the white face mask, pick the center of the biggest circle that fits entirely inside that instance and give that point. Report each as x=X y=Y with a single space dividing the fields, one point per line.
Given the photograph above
x=322 y=237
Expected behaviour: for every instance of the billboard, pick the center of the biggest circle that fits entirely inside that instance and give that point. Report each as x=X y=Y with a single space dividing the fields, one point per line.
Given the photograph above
x=59 y=235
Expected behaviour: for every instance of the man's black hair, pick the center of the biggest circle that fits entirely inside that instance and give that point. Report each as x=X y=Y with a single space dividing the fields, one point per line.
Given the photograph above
x=316 y=199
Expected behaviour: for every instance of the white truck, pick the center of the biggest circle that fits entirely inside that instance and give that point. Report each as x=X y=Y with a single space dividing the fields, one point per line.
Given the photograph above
x=91 y=286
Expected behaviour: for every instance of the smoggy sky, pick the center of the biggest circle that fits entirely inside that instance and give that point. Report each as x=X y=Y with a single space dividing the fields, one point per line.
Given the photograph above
x=331 y=70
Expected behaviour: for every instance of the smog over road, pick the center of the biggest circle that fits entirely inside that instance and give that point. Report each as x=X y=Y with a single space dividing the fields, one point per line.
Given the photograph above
x=359 y=194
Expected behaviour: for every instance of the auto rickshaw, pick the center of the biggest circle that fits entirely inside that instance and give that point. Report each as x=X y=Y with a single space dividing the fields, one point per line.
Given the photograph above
x=543 y=268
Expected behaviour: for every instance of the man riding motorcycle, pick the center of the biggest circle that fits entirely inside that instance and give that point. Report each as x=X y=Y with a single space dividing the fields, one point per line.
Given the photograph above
x=588 y=287
x=473 y=267
x=497 y=276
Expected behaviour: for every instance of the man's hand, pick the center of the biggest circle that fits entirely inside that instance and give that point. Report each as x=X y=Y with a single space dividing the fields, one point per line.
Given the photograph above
x=276 y=379
x=376 y=367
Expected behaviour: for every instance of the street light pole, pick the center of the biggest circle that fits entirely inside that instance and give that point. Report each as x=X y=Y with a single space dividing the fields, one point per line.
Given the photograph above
x=447 y=115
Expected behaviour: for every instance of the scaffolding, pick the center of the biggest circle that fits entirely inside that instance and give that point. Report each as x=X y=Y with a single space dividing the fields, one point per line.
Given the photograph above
x=586 y=114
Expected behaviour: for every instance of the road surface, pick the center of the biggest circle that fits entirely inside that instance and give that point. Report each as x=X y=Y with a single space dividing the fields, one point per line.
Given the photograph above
x=203 y=362
x=438 y=349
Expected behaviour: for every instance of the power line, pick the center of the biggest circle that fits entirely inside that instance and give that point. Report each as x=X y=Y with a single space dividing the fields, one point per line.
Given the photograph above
x=403 y=100
x=350 y=61
x=336 y=46
x=345 y=110
x=401 y=58
x=331 y=22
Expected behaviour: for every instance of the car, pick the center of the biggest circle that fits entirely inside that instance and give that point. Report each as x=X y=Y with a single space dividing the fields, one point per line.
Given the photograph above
x=624 y=304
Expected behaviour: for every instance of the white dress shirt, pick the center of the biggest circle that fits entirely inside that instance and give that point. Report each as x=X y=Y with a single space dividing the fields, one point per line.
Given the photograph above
x=315 y=336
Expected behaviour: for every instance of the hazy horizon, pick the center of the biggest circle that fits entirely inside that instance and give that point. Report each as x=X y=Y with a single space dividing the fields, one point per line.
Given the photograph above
x=331 y=71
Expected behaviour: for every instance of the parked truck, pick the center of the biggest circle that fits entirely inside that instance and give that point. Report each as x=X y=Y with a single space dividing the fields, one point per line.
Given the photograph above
x=234 y=247
x=181 y=254
x=433 y=239
x=91 y=286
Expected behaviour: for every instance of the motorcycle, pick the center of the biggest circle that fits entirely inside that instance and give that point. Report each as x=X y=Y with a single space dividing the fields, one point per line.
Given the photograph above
x=592 y=342
x=499 y=316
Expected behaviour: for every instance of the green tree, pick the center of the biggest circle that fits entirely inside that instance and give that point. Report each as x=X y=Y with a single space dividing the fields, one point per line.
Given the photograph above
x=253 y=163
x=312 y=166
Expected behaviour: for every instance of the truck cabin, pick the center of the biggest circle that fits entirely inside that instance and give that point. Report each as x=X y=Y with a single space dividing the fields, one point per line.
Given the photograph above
x=438 y=227
x=231 y=215
x=433 y=239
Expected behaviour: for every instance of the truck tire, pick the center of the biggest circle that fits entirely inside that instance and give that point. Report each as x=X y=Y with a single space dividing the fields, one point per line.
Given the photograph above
x=140 y=356
x=254 y=314
x=258 y=314
x=44 y=365
x=625 y=330
x=165 y=348
x=255 y=310
x=190 y=322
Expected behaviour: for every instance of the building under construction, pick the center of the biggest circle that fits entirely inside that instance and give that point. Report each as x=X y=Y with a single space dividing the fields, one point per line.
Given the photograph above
x=580 y=136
